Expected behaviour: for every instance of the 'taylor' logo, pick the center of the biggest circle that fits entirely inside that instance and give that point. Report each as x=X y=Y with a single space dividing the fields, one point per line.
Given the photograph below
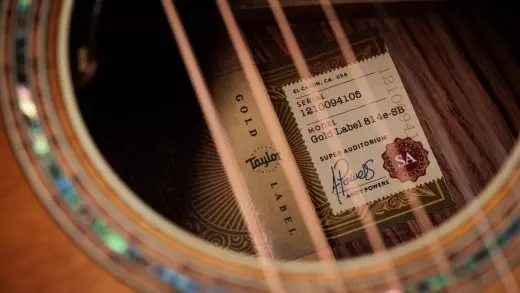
x=264 y=159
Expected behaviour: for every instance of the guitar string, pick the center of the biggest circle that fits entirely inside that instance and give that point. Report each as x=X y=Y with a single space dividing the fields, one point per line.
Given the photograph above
x=483 y=228
x=420 y=213
x=223 y=147
x=275 y=132
x=417 y=209
x=371 y=229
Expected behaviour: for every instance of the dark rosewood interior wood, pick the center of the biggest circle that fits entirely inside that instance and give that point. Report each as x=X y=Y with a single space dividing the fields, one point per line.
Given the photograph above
x=460 y=68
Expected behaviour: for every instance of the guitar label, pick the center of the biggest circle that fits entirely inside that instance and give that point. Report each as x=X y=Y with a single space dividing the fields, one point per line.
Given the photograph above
x=269 y=194
x=362 y=133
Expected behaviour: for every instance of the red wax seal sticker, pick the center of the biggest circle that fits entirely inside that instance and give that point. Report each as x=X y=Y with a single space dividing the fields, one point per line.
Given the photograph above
x=405 y=159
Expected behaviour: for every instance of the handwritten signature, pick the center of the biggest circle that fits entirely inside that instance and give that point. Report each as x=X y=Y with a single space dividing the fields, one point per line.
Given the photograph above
x=342 y=176
x=263 y=161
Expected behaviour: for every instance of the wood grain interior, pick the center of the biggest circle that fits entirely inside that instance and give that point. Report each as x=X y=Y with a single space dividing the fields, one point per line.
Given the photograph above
x=449 y=62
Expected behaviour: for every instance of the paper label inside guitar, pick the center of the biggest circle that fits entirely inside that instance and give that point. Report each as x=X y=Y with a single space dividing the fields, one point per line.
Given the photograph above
x=362 y=133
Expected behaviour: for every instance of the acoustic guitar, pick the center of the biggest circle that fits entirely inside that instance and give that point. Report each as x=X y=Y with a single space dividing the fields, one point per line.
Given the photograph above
x=259 y=146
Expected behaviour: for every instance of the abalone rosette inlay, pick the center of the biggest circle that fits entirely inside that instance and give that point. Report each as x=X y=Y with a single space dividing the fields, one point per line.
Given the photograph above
x=154 y=255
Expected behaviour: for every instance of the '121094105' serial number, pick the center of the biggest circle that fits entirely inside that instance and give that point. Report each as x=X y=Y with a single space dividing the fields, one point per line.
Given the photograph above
x=334 y=102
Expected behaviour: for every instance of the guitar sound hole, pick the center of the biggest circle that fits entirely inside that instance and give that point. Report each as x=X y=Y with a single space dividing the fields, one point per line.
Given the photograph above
x=141 y=110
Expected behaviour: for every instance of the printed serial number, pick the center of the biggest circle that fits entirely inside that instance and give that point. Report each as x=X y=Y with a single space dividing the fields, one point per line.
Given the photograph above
x=334 y=102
